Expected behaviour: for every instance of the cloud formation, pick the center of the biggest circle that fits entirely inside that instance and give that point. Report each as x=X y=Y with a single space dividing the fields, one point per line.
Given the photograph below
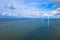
x=28 y=8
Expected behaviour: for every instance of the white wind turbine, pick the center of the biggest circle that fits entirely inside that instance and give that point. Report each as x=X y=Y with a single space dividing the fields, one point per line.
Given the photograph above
x=48 y=15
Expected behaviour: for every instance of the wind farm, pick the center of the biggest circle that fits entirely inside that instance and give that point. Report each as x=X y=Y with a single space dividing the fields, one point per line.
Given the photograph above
x=29 y=19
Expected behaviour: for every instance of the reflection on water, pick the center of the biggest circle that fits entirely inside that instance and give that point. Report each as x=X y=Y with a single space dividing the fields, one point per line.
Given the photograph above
x=32 y=29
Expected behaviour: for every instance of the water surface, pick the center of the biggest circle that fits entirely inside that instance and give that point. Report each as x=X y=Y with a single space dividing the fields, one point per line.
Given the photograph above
x=30 y=29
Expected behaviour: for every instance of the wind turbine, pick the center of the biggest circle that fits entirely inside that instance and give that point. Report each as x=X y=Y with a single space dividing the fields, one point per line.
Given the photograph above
x=48 y=15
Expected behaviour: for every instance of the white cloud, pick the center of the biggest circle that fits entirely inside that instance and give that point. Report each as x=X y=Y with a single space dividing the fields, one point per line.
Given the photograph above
x=23 y=9
x=56 y=1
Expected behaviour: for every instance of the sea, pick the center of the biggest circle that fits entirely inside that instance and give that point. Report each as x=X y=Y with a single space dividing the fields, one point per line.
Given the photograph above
x=30 y=29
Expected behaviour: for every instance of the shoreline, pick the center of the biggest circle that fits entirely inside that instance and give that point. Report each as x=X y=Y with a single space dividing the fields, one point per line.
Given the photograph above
x=2 y=22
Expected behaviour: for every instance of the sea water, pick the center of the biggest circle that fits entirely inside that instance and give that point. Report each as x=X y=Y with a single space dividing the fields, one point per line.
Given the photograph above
x=30 y=29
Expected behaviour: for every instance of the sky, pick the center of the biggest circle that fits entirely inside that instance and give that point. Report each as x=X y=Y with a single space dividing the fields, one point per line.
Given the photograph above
x=30 y=8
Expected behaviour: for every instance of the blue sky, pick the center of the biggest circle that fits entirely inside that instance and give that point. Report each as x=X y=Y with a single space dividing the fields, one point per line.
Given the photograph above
x=29 y=8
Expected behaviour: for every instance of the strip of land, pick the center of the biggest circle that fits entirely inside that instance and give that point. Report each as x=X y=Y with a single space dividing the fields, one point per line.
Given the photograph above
x=2 y=22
